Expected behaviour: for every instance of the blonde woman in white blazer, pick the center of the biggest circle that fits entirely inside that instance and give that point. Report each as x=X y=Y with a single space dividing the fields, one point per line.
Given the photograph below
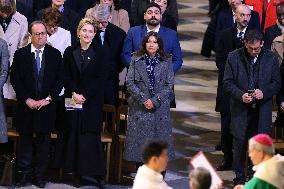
x=13 y=33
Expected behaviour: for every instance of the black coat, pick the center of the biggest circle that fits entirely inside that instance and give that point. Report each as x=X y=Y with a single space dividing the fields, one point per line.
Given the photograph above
x=113 y=43
x=227 y=43
x=235 y=83
x=70 y=22
x=270 y=34
x=23 y=80
x=89 y=83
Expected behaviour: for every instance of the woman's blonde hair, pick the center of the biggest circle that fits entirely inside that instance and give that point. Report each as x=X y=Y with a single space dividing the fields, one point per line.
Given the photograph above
x=84 y=22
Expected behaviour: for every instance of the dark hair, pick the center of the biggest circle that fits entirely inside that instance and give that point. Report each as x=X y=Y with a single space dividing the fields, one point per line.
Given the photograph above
x=253 y=35
x=34 y=23
x=153 y=148
x=200 y=178
x=279 y=5
x=8 y=7
x=52 y=15
x=153 y=4
x=160 y=51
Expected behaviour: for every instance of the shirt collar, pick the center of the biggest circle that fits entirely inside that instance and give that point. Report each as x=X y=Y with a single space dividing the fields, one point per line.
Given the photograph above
x=156 y=29
x=244 y=30
x=33 y=49
x=61 y=9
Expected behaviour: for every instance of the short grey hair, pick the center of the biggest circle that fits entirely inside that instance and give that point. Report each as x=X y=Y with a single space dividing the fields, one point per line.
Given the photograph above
x=200 y=178
x=269 y=150
x=101 y=11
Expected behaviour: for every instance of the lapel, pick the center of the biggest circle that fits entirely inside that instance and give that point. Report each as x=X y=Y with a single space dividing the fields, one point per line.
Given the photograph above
x=142 y=34
x=77 y=57
x=244 y=61
x=12 y=28
x=234 y=37
x=90 y=58
x=140 y=66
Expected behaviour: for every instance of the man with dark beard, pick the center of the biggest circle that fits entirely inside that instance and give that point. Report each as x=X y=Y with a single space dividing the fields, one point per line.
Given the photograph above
x=135 y=35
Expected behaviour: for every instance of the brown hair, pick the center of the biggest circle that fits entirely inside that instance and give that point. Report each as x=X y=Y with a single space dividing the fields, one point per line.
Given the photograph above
x=52 y=16
x=8 y=7
x=86 y=21
x=160 y=50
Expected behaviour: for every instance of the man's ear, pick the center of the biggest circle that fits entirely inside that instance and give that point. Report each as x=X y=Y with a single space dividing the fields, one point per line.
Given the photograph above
x=109 y=18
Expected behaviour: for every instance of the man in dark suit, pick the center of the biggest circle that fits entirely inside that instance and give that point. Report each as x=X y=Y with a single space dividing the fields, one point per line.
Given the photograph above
x=70 y=18
x=251 y=78
x=277 y=29
x=226 y=18
x=36 y=76
x=112 y=38
x=232 y=38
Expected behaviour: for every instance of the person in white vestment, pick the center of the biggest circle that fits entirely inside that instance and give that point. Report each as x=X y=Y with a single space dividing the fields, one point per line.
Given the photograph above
x=155 y=156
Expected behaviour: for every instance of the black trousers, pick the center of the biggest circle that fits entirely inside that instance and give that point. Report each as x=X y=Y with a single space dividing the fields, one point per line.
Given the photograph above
x=241 y=146
x=25 y=149
x=226 y=137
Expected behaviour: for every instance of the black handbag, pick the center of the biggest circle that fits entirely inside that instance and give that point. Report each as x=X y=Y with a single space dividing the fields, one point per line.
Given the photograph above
x=8 y=174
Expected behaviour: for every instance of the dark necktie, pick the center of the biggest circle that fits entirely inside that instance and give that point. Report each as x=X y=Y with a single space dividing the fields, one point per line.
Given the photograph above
x=240 y=36
x=38 y=51
x=251 y=77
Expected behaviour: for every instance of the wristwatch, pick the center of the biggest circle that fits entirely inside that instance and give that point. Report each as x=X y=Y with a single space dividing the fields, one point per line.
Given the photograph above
x=49 y=99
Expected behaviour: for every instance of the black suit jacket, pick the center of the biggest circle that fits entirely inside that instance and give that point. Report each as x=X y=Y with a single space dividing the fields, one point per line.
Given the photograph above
x=70 y=22
x=113 y=40
x=270 y=34
x=113 y=44
x=24 y=81
x=90 y=83
x=225 y=20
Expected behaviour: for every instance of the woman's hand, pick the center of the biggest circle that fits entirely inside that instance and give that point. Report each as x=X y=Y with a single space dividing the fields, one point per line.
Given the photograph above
x=148 y=104
x=79 y=99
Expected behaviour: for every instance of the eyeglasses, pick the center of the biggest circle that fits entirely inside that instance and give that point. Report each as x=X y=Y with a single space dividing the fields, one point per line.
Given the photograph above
x=102 y=22
x=37 y=34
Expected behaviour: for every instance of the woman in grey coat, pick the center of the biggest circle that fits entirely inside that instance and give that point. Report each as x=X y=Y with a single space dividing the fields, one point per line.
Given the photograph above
x=4 y=66
x=149 y=82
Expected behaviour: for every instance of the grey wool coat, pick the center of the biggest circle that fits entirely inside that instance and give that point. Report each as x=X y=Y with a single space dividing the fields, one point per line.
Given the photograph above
x=235 y=83
x=146 y=124
x=4 y=67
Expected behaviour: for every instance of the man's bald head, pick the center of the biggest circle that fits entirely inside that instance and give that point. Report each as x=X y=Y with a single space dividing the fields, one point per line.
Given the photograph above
x=243 y=14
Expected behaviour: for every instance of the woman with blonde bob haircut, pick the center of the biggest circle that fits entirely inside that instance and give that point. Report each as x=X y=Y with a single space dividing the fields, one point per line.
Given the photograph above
x=84 y=83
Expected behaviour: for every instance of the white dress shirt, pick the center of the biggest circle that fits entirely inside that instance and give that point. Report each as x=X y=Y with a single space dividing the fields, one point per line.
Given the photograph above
x=33 y=50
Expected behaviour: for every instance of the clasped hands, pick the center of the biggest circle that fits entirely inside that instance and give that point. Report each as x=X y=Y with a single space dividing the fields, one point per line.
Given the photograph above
x=79 y=99
x=36 y=104
x=148 y=104
x=247 y=98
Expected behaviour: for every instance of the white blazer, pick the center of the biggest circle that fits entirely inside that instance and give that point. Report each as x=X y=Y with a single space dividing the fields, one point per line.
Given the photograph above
x=14 y=36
